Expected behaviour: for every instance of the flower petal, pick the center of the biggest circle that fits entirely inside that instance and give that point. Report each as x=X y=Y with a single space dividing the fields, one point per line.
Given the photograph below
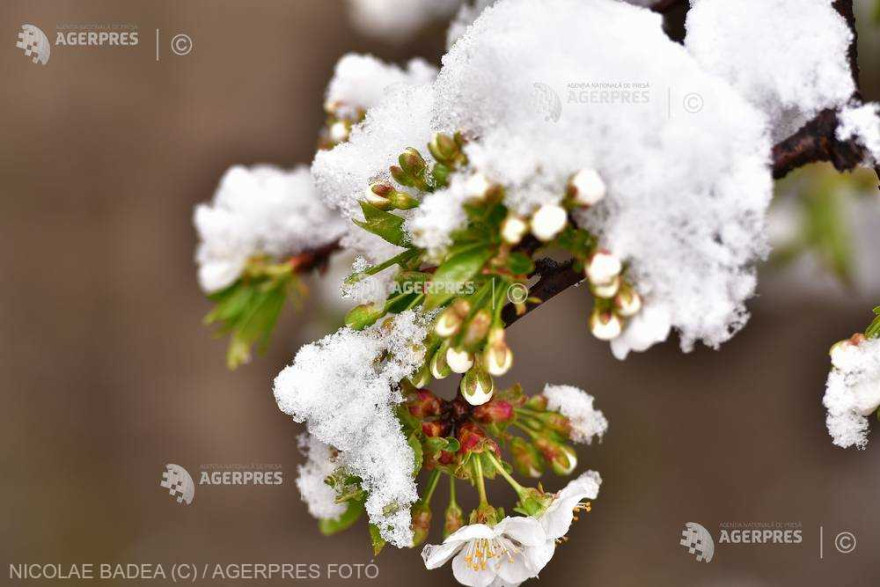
x=470 y=577
x=471 y=532
x=538 y=556
x=514 y=570
x=436 y=555
x=525 y=530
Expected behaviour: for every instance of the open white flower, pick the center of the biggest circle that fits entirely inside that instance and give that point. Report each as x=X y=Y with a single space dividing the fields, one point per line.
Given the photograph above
x=557 y=518
x=510 y=552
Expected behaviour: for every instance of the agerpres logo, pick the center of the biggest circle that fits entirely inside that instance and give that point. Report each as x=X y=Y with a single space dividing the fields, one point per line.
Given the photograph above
x=699 y=543
x=36 y=45
x=181 y=487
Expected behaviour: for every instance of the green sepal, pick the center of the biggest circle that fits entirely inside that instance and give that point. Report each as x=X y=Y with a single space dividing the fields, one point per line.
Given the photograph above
x=383 y=224
x=351 y=515
x=453 y=274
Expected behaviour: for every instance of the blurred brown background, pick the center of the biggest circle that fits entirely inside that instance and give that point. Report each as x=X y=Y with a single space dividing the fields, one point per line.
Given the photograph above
x=108 y=373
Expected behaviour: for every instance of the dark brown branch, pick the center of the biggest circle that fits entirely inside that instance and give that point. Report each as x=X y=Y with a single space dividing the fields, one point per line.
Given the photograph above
x=664 y=6
x=555 y=278
x=817 y=141
x=314 y=259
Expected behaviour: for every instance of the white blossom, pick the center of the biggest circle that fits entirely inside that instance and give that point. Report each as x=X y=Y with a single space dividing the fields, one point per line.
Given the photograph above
x=548 y=221
x=259 y=210
x=557 y=518
x=513 y=550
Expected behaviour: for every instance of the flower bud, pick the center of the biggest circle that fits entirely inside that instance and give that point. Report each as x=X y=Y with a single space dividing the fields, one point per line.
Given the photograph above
x=605 y=325
x=603 y=267
x=477 y=328
x=339 y=132
x=422 y=377
x=423 y=403
x=453 y=520
x=608 y=290
x=460 y=361
x=402 y=200
x=513 y=229
x=439 y=367
x=443 y=147
x=627 y=302
x=557 y=423
x=412 y=162
x=421 y=522
x=448 y=324
x=435 y=429
x=364 y=315
x=839 y=350
x=472 y=438
x=477 y=186
x=562 y=458
x=477 y=387
x=587 y=187
x=537 y=402
x=548 y=222
x=497 y=357
x=377 y=194
x=493 y=411
x=526 y=459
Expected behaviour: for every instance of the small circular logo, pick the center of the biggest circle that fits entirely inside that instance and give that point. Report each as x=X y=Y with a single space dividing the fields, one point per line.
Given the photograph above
x=693 y=103
x=518 y=293
x=845 y=542
x=181 y=44
x=34 y=43
x=698 y=542
x=179 y=484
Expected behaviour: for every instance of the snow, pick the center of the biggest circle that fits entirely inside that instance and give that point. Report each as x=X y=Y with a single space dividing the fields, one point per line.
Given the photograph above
x=688 y=185
x=344 y=387
x=577 y=405
x=320 y=463
x=852 y=392
x=361 y=81
x=259 y=210
x=787 y=57
x=863 y=124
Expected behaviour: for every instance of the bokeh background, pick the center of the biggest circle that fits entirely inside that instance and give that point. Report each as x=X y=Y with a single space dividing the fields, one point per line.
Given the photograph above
x=108 y=374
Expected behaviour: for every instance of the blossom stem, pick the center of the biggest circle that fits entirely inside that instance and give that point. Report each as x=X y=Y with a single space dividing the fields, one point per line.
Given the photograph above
x=481 y=484
x=531 y=433
x=520 y=490
x=432 y=485
x=452 y=490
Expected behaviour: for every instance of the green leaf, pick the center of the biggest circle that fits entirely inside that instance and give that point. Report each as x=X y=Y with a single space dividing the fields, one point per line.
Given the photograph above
x=452 y=276
x=416 y=446
x=351 y=515
x=383 y=224
x=376 y=539
x=520 y=264
x=873 y=330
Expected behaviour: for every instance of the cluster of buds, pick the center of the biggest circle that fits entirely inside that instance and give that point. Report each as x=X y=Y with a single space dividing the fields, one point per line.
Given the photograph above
x=616 y=300
x=341 y=117
x=547 y=443
x=471 y=346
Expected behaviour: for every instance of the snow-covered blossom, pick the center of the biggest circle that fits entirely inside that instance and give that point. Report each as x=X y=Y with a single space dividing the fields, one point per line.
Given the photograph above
x=397 y=20
x=687 y=191
x=548 y=221
x=259 y=210
x=589 y=187
x=852 y=392
x=557 y=518
x=344 y=387
x=605 y=325
x=513 y=550
x=647 y=328
x=320 y=463
x=603 y=267
x=577 y=405
x=787 y=57
x=361 y=81
x=863 y=124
